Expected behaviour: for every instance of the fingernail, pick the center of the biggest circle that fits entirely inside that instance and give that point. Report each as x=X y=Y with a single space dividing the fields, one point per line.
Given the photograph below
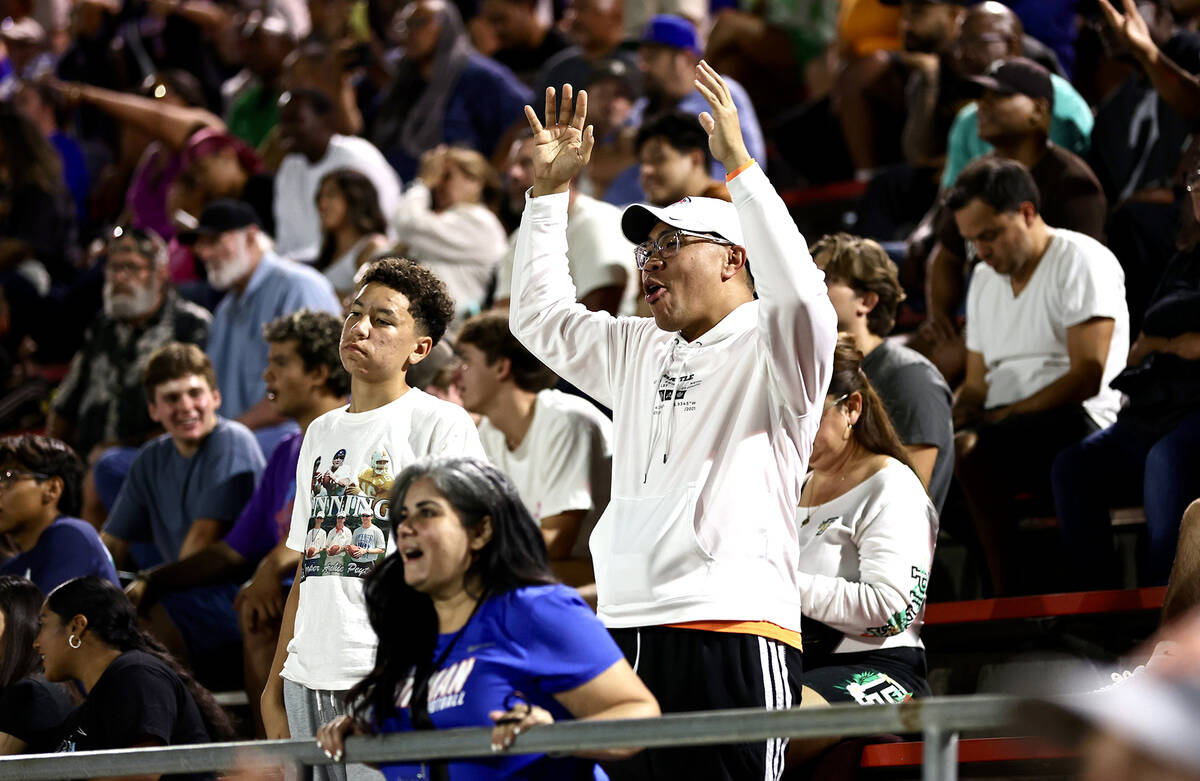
x=516 y=731
x=337 y=757
x=495 y=747
x=328 y=754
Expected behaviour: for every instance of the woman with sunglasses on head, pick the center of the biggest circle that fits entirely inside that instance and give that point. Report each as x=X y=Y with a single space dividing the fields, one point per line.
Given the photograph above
x=40 y=493
x=137 y=695
x=867 y=534
x=31 y=709
x=474 y=631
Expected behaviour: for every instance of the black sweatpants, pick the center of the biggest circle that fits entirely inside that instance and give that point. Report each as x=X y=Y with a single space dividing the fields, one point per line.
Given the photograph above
x=695 y=670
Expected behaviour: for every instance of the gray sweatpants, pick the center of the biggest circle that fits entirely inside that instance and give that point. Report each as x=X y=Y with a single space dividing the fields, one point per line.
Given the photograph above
x=308 y=709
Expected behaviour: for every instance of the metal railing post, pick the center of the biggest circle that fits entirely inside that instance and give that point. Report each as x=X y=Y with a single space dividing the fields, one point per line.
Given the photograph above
x=940 y=759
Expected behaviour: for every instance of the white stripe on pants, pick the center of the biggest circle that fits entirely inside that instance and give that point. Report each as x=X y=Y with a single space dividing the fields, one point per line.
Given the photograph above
x=777 y=695
x=308 y=709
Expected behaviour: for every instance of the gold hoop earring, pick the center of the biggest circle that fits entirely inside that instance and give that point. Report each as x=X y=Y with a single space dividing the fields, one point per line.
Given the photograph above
x=74 y=641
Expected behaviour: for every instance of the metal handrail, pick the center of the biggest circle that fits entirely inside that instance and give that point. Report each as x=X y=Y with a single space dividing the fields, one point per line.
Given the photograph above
x=939 y=719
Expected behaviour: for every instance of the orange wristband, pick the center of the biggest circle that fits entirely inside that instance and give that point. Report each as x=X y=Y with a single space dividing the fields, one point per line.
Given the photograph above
x=729 y=177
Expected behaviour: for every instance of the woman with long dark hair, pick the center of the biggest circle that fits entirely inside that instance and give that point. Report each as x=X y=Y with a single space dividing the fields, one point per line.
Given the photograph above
x=31 y=709
x=867 y=533
x=474 y=631
x=352 y=223
x=137 y=694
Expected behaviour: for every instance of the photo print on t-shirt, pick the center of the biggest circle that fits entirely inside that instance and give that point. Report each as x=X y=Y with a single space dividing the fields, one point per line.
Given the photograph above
x=349 y=522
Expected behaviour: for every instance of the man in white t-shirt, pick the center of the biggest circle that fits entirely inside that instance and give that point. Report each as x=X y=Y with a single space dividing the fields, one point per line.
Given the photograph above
x=598 y=254
x=1047 y=329
x=400 y=311
x=339 y=537
x=556 y=448
x=306 y=129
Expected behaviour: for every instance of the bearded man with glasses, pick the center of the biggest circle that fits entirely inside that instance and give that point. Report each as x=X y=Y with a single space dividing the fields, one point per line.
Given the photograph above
x=716 y=401
x=100 y=404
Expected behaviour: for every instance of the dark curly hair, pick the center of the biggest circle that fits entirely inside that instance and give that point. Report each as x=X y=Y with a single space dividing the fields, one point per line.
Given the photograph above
x=317 y=336
x=113 y=619
x=488 y=331
x=50 y=457
x=428 y=302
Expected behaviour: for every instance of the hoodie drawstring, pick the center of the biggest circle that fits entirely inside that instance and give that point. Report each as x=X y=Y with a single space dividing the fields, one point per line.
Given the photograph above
x=668 y=406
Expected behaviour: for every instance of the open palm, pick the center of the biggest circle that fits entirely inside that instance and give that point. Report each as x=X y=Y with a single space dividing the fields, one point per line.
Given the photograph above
x=563 y=146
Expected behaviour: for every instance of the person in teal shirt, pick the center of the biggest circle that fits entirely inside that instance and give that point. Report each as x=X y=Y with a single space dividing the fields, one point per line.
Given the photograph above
x=1070 y=128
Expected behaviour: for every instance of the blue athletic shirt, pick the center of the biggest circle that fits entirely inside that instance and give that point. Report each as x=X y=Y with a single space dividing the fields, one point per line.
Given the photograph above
x=536 y=641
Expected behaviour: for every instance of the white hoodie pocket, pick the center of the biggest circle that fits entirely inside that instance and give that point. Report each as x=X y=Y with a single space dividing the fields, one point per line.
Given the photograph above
x=645 y=549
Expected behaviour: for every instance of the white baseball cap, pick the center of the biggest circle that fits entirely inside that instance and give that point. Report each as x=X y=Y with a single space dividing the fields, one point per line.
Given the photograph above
x=701 y=215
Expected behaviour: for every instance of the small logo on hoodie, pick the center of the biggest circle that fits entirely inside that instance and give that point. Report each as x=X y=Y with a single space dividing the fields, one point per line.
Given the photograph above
x=675 y=389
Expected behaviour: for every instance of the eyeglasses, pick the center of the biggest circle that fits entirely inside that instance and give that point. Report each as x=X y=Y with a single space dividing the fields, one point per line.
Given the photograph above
x=128 y=268
x=667 y=246
x=836 y=402
x=10 y=476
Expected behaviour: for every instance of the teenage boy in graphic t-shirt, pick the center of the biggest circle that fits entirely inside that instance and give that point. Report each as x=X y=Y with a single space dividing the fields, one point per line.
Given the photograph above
x=400 y=312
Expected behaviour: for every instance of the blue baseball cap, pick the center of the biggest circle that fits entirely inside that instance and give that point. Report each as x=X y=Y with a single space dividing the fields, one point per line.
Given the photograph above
x=673 y=31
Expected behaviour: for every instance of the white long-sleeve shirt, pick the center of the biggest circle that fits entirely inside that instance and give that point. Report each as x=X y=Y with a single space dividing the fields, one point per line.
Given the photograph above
x=711 y=437
x=462 y=244
x=865 y=558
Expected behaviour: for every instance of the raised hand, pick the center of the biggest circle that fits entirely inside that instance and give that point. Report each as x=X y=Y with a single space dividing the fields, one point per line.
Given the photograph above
x=1130 y=26
x=724 y=130
x=563 y=147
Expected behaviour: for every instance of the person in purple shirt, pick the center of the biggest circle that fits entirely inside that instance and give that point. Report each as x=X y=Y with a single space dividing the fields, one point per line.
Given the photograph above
x=305 y=379
x=40 y=493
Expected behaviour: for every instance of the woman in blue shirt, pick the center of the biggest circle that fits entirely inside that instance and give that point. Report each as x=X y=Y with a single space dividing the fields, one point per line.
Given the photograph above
x=474 y=631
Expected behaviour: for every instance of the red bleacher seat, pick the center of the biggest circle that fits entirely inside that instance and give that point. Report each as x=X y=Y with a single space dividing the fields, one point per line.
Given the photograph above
x=1045 y=605
x=970 y=751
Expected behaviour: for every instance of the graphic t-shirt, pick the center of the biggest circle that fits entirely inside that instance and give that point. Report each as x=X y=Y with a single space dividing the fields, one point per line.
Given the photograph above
x=340 y=449
x=864 y=563
x=138 y=697
x=522 y=646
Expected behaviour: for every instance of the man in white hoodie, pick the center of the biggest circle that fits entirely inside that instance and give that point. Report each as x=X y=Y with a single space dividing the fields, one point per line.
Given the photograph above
x=716 y=402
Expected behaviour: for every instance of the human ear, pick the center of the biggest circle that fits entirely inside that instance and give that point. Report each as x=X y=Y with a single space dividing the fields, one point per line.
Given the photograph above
x=853 y=407
x=420 y=351
x=482 y=534
x=735 y=261
x=52 y=490
x=868 y=301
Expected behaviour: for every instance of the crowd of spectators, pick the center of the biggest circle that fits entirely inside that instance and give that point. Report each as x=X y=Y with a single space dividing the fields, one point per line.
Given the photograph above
x=262 y=260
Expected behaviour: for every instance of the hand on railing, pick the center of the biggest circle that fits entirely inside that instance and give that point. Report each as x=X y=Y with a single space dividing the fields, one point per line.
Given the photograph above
x=331 y=737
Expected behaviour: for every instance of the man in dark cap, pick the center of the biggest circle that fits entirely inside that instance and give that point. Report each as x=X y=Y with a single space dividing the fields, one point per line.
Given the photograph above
x=261 y=287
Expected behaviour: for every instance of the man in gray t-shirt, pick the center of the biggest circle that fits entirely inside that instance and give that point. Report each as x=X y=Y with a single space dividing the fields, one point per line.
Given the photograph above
x=865 y=291
x=369 y=541
x=183 y=492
